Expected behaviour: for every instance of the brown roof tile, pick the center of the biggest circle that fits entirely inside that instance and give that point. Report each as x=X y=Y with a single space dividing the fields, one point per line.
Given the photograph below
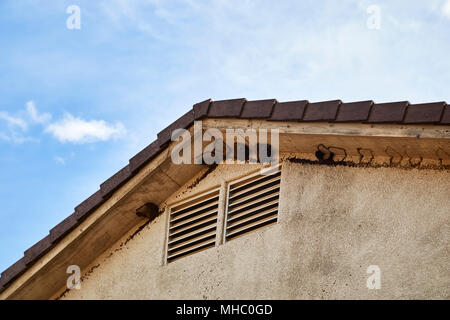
x=184 y=122
x=446 y=115
x=144 y=156
x=258 y=109
x=388 y=112
x=226 y=108
x=113 y=183
x=321 y=111
x=354 y=111
x=62 y=228
x=88 y=205
x=201 y=109
x=12 y=272
x=289 y=111
x=37 y=250
x=424 y=113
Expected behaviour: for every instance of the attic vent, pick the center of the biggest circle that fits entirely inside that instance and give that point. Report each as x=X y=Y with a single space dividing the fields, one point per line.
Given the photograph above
x=253 y=203
x=193 y=225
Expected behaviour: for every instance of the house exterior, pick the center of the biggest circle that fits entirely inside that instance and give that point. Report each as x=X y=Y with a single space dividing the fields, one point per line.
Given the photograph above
x=357 y=206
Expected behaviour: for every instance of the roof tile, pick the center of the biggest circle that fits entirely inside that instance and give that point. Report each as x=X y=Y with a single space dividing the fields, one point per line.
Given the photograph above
x=289 y=111
x=446 y=115
x=143 y=157
x=113 y=183
x=424 y=113
x=226 y=108
x=354 y=111
x=13 y=271
x=201 y=109
x=184 y=122
x=62 y=228
x=37 y=250
x=258 y=109
x=91 y=203
x=388 y=112
x=322 y=111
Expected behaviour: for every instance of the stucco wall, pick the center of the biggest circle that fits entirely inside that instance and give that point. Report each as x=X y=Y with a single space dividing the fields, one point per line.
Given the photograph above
x=333 y=223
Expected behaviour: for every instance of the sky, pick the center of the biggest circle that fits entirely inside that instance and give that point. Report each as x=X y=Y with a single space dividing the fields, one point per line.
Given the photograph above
x=77 y=101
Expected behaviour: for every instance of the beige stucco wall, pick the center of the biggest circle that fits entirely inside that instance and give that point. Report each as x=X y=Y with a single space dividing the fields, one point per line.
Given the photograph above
x=333 y=223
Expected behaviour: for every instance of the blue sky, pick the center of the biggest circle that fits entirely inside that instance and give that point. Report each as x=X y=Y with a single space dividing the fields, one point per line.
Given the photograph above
x=75 y=105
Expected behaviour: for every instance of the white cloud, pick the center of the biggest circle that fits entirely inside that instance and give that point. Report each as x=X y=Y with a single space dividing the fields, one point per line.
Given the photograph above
x=446 y=9
x=35 y=116
x=14 y=129
x=16 y=138
x=77 y=130
x=13 y=121
x=4 y=136
x=17 y=125
x=60 y=160
x=68 y=129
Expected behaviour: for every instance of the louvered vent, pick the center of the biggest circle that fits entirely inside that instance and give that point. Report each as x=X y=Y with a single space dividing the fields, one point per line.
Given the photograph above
x=253 y=203
x=193 y=225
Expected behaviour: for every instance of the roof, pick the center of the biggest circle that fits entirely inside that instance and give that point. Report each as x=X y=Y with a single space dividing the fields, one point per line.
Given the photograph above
x=436 y=113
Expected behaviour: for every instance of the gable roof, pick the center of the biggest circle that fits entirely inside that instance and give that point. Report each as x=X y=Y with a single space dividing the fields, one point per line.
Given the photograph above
x=335 y=111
